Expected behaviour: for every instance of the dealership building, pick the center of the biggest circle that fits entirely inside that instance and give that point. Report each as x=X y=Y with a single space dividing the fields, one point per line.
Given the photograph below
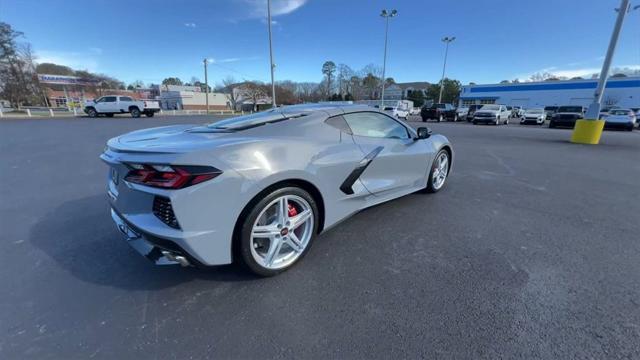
x=621 y=92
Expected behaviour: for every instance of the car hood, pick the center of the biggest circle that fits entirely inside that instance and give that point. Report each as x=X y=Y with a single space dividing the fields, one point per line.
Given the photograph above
x=172 y=139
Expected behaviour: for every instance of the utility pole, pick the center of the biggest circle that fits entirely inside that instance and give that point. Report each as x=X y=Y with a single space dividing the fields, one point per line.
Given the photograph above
x=589 y=129
x=446 y=40
x=273 y=84
x=206 y=83
x=386 y=15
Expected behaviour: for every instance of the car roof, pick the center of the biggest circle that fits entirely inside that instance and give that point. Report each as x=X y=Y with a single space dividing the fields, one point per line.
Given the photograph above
x=330 y=108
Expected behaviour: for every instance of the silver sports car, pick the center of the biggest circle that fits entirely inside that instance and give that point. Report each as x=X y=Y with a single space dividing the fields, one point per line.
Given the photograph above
x=259 y=188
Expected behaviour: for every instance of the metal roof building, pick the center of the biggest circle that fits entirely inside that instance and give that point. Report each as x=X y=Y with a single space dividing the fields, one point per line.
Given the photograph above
x=622 y=92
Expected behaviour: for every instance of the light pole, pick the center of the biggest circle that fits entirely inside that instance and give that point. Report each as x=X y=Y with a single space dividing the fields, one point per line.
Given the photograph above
x=273 y=84
x=206 y=83
x=589 y=130
x=386 y=15
x=446 y=40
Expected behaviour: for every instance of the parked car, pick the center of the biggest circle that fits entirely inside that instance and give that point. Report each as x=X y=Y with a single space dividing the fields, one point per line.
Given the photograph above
x=114 y=104
x=397 y=112
x=567 y=116
x=440 y=112
x=550 y=110
x=259 y=188
x=621 y=118
x=492 y=114
x=462 y=112
x=472 y=111
x=533 y=116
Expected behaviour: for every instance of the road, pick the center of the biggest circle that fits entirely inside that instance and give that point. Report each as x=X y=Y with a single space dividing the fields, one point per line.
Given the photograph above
x=531 y=251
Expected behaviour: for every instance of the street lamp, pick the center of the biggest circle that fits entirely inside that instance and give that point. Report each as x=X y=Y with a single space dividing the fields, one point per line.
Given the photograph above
x=206 y=83
x=386 y=15
x=589 y=130
x=446 y=40
x=273 y=84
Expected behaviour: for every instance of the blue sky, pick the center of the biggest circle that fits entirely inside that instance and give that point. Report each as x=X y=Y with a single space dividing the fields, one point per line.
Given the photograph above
x=496 y=39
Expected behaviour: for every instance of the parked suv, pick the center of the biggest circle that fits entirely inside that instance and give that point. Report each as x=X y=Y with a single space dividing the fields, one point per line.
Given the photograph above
x=567 y=116
x=440 y=112
x=492 y=114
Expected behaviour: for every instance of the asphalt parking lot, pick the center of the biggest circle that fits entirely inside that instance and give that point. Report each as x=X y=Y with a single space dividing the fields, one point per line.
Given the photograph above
x=531 y=251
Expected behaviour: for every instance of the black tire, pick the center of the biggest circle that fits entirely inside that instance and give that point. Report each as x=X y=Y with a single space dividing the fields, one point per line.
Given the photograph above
x=424 y=119
x=430 y=187
x=135 y=112
x=243 y=238
x=551 y=124
x=149 y=114
x=475 y=122
x=92 y=113
x=497 y=121
x=108 y=115
x=506 y=122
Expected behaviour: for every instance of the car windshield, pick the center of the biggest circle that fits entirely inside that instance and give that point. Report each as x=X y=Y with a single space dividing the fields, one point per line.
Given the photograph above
x=535 y=111
x=551 y=108
x=491 y=107
x=570 y=109
x=619 y=112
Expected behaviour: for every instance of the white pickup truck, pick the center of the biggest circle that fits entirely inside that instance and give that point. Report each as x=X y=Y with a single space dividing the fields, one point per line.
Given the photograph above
x=115 y=104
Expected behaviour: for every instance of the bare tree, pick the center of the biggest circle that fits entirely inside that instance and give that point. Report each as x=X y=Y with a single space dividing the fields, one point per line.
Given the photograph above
x=254 y=91
x=230 y=85
x=17 y=79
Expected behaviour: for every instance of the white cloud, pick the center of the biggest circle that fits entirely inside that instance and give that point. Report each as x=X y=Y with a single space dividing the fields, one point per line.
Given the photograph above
x=190 y=25
x=232 y=60
x=78 y=60
x=568 y=72
x=258 y=8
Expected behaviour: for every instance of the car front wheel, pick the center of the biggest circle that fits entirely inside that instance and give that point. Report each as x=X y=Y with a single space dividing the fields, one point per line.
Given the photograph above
x=278 y=231
x=439 y=171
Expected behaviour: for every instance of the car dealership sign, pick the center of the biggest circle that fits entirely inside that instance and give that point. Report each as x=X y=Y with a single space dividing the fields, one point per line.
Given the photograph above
x=66 y=80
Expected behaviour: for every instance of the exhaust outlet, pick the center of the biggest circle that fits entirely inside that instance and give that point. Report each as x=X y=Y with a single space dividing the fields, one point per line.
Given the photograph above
x=176 y=258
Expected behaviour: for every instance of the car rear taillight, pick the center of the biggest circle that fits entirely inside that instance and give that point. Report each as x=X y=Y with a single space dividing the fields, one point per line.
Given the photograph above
x=170 y=176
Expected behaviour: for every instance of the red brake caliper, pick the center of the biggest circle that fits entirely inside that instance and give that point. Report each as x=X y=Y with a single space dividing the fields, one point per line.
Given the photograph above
x=292 y=210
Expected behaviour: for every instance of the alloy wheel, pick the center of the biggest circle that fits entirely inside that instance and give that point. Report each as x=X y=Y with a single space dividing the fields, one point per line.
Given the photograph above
x=441 y=170
x=282 y=232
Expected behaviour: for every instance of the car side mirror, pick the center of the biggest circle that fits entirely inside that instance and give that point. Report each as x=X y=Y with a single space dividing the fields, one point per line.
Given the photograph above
x=423 y=133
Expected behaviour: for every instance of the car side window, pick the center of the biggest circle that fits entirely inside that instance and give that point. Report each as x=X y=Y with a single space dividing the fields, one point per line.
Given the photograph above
x=125 y=98
x=339 y=123
x=109 y=99
x=100 y=100
x=373 y=124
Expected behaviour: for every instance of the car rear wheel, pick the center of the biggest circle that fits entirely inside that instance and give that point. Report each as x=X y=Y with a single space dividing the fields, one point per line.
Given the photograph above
x=278 y=231
x=439 y=171
x=135 y=112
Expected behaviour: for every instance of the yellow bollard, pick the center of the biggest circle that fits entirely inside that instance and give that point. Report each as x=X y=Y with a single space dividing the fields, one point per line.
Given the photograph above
x=587 y=131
